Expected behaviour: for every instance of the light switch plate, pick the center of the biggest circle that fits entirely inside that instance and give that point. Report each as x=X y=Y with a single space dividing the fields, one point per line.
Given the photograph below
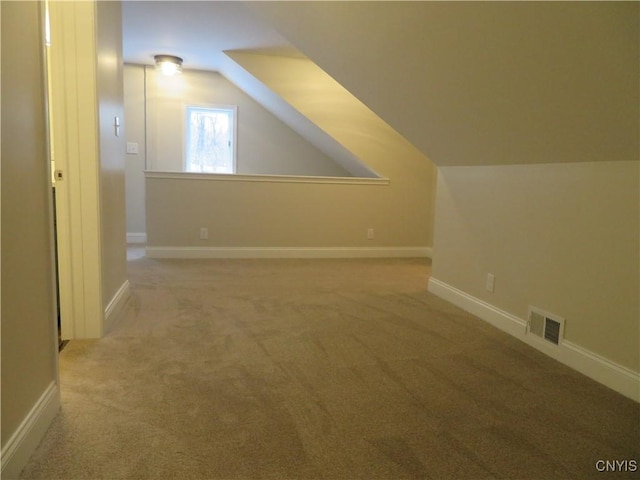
x=132 y=148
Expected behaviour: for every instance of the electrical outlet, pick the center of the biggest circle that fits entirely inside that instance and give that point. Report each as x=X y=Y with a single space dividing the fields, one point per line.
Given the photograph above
x=490 y=282
x=204 y=233
x=370 y=233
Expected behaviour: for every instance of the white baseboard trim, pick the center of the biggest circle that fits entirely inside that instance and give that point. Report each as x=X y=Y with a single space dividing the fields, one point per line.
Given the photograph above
x=621 y=379
x=15 y=454
x=136 y=237
x=116 y=304
x=288 y=252
x=490 y=314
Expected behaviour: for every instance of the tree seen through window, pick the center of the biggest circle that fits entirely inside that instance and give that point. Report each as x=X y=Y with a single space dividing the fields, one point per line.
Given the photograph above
x=210 y=140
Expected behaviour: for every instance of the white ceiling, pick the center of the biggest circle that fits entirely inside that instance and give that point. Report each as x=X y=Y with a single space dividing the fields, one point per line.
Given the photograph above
x=195 y=31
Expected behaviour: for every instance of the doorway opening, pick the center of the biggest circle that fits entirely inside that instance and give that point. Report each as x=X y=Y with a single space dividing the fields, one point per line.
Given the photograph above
x=47 y=40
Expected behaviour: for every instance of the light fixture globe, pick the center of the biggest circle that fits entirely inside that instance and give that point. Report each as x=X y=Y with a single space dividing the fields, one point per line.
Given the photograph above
x=168 y=64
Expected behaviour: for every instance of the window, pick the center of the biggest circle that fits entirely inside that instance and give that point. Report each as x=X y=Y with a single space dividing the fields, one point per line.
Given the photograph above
x=210 y=139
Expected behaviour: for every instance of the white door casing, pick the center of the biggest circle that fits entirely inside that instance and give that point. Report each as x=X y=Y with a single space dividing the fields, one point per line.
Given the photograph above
x=75 y=136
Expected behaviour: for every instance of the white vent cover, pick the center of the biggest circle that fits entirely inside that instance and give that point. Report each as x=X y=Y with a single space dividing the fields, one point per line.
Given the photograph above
x=545 y=325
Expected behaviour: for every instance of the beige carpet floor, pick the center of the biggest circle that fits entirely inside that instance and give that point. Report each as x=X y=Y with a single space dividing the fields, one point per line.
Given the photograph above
x=319 y=369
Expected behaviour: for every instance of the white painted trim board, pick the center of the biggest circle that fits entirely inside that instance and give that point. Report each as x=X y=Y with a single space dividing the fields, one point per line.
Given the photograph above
x=238 y=177
x=116 y=305
x=136 y=237
x=288 y=252
x=25 y=439
x=621 y=379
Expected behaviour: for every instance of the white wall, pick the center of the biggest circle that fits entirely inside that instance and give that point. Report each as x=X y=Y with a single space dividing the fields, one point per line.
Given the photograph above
x=265 y=144
x=561 y=237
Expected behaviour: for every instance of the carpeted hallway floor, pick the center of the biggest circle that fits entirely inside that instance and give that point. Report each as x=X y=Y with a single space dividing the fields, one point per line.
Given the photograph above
x=319 y=369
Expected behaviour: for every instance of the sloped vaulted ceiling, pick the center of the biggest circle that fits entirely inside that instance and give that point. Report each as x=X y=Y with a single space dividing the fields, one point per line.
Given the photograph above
x=483 y=83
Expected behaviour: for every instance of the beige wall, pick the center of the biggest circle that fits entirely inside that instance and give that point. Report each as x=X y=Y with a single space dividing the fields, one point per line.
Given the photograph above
x=275 y=214
x=28 y=318
x=265 y=144
x=112 y=148
x=135 y=164
x=564 y=238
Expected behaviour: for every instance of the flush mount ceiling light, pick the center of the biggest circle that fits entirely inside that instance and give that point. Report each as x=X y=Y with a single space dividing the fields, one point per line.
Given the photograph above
x=168 y=64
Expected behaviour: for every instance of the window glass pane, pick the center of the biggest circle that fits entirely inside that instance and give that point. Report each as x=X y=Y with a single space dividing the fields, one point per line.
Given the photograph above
x=209 y=140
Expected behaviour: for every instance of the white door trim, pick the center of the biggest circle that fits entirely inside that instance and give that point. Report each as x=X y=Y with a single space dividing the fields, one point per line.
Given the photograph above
x=74 y=130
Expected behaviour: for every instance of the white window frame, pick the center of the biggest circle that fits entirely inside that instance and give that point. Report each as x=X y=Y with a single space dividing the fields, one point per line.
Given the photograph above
x=234 y=135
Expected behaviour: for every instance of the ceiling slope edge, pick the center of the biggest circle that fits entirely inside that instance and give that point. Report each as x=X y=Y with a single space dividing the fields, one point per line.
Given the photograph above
x=294 y=119
x=307 y=89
